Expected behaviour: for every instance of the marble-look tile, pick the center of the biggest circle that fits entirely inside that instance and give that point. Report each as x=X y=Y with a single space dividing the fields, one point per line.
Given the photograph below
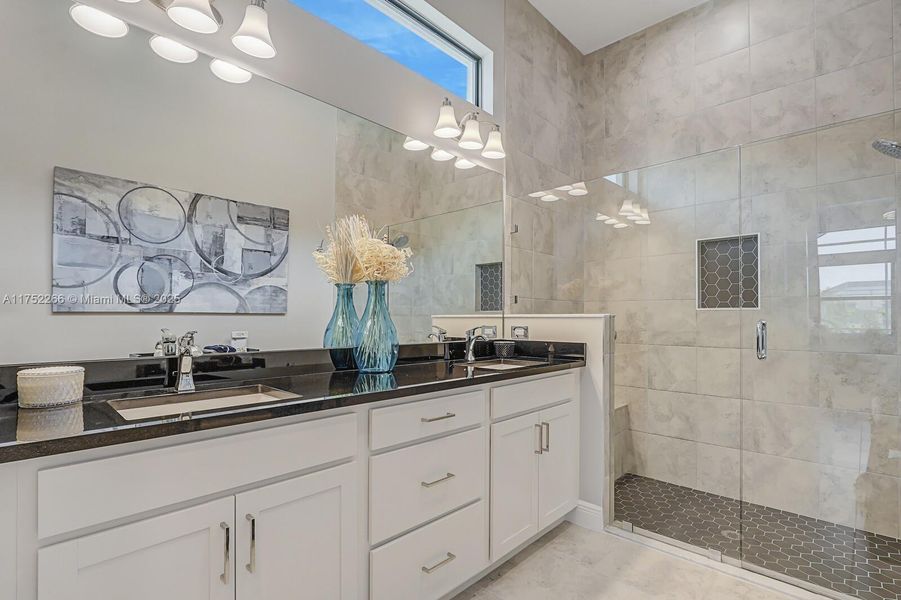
x=543 y=230
x=770 y=18
x=627 y=151
x=542 y=276
x=792 y=323
x=717 y=176
x=692 y=417
x=858 y=382
x=631 y=365
x=718 y=219
x=724 y=125
x=719 y=372
x=718 y=328
x=781 y=483
x=781 y=164
x=721 y=28
x=877 y=504
x=665 y=458
x=854 y=37
x=789 y=269
x=784 y=110
x=881 y=449
x=826 y=9
x=856 y=204
x=669 y=277
x=631 y=320
x=722 y=79
x=784 y=377
x=670 y=185
x=670 y=96
x=670 y=322
x=622 y=279
x=672 y=139
x=524 y=219
x=781 y=217
x=844 y=152
x=719 y=470
x=813 y=434
x=783 y=60
x=858 y=91
x=672 y=368
x=836 y=493
x=671 y=232
x=669 y=45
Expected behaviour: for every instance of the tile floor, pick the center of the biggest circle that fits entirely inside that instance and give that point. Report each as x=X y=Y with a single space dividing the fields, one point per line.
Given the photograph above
x=572 y=563
x=843 y=559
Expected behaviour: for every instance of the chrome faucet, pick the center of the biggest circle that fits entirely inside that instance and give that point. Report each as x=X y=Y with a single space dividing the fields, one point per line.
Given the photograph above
x=187 y=350
x=471 y=339
x=438 y=334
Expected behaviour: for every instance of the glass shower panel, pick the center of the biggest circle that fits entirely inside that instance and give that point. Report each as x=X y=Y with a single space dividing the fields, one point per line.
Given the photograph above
x=821 y=433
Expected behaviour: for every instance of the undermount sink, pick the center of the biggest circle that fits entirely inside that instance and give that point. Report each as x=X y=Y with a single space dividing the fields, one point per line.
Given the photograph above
x=135 y=409
x=502 y=364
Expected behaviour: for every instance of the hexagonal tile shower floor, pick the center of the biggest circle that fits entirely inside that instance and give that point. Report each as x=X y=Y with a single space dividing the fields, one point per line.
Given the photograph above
x=835 y=557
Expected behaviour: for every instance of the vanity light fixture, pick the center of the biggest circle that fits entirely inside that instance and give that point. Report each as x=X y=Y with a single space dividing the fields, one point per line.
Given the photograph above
x=620 y=225
x=611 y=221
x=578 y=189
x=463 y=163
x=626 y=208
x=564 y=188
x=441 y=155
x=549 y=198
x=229 y=72
x=636 y=212
x=253 y=36
x=195 y=15
x=537 y=194
x=415 y=145
x=601 y=217
x=447 y=126
x=645 y=219
x=172 y=51
x=98 y=22
x=494 y=149
x=472 y=136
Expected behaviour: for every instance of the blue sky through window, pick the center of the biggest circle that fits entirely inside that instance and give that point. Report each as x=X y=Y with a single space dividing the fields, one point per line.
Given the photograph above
x=369 y=25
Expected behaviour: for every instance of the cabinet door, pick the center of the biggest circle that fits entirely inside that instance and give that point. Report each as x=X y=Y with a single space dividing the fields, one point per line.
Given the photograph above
x=185 y=555
x=558 y=463
x=514 y=483
x=299 y=539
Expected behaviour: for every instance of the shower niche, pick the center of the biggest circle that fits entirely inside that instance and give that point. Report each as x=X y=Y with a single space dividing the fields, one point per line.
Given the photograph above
x=728 y=273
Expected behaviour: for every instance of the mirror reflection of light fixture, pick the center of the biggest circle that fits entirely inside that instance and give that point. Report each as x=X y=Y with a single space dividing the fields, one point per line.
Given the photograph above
x=626 y=208
x=472 y=137
x=172 y=51
x=415 y=145
x=636 y=212
x=578 y=189
x=253 y=36
x=601 y=217
x=564 y=188
x=98 y=22
x=620 y=225
x=130 y=1
x=537 y=194
x=463 y=163
x=447 y=126
x=549 y=198
x=194 y=15
x=441 y=155
x=611 y=221
x=229 y=72
x=645 y=219
x=494 y=148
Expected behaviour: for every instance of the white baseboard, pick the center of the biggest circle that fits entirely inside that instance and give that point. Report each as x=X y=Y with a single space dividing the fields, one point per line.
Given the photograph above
x=587 y=515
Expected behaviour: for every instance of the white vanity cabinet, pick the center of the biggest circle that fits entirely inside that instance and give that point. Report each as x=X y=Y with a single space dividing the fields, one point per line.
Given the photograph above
x=534 y=460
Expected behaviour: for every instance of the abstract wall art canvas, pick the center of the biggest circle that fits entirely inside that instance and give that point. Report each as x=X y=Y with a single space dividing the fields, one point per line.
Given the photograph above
x=124 y=246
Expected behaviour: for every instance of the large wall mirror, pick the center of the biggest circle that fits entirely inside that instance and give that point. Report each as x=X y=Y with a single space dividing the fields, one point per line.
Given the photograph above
x=122 y=173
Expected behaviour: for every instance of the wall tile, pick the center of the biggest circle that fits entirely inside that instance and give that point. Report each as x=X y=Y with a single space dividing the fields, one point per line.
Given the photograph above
x=665 y=458
x=722 y=79
x=844 y=152
x=784 y=163
x=718 y=328
x=784 y=377
x=825 y=9
x=854 y=37
x=717 y=176
x=862 y=90
x=672 y=139
x=782 y=60
x=881 y=448
x=671 y=232
x=671 y=322
x=719 y=470
x=719 y=372
x=770 y=18
x=722 y=27
x=877 y=504
x=781 y=483
x=669 y=277
x=858 y=382
x=784 y=110
x=724 y=125
x=672 y=368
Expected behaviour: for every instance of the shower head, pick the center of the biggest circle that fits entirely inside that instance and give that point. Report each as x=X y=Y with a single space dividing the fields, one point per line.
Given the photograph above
x=888 y=147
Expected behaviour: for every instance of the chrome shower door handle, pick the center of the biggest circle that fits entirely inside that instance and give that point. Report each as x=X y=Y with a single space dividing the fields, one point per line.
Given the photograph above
x=761 y=340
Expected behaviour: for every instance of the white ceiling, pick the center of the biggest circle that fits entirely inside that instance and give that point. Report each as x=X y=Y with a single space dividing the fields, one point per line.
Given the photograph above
x=592 y=24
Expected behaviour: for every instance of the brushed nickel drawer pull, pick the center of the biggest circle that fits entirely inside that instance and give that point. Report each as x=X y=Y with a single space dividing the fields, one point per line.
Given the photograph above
x=546 y=437
x=227 y=558
x=538 y=447
x=428 y=484
x=449 y=415
x=252 y=565
x=432 y=569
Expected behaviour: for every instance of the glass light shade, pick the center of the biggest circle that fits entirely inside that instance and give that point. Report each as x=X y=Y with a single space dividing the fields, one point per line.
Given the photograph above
x=636 y=212
x=564 y=188
x=549 y=198
x=472 y=137
x=626 y=208
x=578 y=189
x=601 y=217
x=253 y=36
x=620 y=225
x=130 y=1
x=611 y=222
x=494 y=149
x=537 y=194
x=172 y=50
x=194 y=15
x=645 y=219
x=442 y=155
x=229 y=72
x=414 y=145
x=447 y=126
x=98 y=22
x=463 y=163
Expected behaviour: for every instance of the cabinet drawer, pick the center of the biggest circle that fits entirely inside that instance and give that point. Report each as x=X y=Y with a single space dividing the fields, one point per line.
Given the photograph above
x=411 y=486
x=394 y=425
x=430 y=562
x=532 y=395
x=76 y=496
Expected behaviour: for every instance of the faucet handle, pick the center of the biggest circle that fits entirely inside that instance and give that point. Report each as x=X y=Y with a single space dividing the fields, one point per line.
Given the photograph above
x=485 y=330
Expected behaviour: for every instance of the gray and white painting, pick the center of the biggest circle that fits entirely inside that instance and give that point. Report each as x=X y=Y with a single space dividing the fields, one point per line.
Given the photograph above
x=123 y=246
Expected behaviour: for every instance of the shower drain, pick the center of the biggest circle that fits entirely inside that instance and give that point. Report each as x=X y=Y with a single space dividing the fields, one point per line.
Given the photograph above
x=730 y=534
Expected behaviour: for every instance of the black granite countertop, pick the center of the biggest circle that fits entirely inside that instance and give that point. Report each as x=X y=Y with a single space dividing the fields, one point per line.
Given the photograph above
x=93 y=423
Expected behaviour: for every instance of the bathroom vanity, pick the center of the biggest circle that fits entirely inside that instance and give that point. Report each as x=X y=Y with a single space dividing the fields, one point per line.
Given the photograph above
x=411 y=490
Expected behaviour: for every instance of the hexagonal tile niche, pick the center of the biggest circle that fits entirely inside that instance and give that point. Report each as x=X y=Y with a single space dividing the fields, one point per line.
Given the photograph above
x=490 y=286
x=728 y=272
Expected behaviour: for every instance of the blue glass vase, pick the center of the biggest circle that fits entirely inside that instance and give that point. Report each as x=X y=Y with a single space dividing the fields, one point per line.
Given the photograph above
x=376 y=344
x=342 y=328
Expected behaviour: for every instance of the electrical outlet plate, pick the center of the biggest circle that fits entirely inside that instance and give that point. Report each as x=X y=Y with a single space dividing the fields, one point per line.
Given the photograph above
x=519 y=332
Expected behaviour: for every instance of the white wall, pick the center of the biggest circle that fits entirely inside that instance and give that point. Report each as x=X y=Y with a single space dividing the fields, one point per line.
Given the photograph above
x=317 y=59
x=111 y=107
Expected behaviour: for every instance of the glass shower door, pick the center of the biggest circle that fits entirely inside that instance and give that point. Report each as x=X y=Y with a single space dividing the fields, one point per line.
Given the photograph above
x=820 y=426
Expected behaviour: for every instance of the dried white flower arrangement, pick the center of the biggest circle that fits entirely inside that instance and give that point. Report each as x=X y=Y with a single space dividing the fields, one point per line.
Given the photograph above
x=338 y=260
x=381 y=261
